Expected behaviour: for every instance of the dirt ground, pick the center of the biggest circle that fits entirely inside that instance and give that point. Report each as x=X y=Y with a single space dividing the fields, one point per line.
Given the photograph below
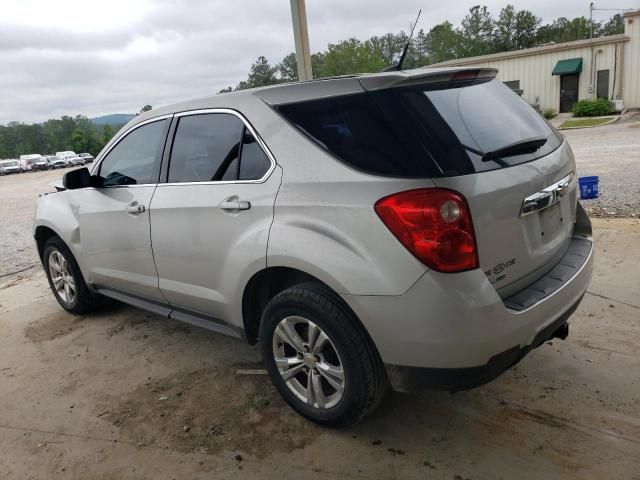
x=127 y=394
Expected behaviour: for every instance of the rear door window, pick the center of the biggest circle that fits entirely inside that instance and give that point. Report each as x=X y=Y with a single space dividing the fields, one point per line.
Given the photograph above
x=424 y=131
x=204 y=148
x=215 y=147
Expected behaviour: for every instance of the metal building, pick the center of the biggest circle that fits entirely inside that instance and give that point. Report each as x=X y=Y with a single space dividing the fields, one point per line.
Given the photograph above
x=558 y=75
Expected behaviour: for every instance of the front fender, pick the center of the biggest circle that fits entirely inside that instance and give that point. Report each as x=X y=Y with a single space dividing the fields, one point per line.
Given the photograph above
x=54 y=211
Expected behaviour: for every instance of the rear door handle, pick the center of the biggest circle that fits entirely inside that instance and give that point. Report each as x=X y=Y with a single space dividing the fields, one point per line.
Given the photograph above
x=234 y=203
x=135 y=209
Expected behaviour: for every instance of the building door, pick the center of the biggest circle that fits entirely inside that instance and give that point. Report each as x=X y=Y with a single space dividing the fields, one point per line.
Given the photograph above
x=568 y=92
x=603 y=84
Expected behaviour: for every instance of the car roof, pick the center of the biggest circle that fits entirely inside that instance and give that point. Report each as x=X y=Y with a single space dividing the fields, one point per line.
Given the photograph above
x=311 y=89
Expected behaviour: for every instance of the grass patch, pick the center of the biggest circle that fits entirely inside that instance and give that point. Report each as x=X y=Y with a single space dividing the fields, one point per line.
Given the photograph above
x=585 y=122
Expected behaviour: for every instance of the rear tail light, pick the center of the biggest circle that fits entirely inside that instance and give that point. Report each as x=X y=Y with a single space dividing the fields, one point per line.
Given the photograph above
x=434 y=224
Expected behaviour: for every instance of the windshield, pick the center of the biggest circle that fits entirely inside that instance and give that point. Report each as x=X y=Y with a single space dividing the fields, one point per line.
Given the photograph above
x=10 y=163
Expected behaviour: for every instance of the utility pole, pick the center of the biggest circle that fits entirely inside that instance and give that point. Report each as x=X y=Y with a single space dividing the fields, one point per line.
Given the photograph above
x=591 y=45
x=301 y=37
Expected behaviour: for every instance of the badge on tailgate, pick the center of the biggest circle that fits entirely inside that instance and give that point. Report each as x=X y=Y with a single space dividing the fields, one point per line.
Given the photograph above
x=546 y=197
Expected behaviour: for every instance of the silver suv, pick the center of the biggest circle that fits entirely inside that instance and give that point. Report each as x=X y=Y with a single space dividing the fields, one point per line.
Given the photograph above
x=414 y=229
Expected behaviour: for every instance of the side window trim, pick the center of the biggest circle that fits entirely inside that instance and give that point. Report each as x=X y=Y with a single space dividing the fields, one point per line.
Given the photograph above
x=247 y=128
x=157 y=169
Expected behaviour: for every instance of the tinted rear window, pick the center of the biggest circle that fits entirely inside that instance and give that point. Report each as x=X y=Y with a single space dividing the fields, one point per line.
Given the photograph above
x=423 y=131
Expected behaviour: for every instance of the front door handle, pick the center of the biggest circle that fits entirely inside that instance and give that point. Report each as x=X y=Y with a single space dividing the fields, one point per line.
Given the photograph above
x=135 y=209
x=234 y=203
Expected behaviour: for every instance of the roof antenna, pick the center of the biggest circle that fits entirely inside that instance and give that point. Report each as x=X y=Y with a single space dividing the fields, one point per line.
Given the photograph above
x=394 y=68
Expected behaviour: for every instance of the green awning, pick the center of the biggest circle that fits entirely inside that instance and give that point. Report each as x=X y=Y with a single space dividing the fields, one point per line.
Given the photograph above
x=568 y=67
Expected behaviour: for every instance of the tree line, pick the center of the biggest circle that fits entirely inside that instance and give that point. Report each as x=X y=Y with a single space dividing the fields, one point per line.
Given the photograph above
x=479 y=33
x=56 y=135
x=67 y=133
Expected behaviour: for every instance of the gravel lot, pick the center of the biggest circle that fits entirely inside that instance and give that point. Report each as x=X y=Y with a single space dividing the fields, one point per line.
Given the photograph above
x=18 y=194
x=613 y=153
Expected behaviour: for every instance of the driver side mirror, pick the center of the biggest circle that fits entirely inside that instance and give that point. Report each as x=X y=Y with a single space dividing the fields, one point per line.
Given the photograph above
x=80 y=178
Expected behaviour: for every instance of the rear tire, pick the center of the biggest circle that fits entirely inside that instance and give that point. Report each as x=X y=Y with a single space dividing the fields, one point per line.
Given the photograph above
x=65 y=278
x=327 y=368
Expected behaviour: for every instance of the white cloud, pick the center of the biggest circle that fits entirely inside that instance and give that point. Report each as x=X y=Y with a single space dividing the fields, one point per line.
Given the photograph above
x=83 y=56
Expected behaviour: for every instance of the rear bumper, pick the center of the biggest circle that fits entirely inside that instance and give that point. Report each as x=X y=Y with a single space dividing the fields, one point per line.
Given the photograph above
x=457 y=322
x=454 y=379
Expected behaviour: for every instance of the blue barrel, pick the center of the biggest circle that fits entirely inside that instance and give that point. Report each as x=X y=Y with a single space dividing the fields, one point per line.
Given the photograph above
x=588 y=187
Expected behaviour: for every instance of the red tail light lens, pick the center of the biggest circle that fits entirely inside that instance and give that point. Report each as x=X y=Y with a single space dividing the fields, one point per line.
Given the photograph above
x=435 y=225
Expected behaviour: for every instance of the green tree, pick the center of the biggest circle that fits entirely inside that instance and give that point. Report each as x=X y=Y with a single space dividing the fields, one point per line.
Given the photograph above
x=613 y=26
x=504 y=30
x=442 y=43
x=317 y=64
x=288 y=68
x=351 y=56
x=389 y=47
x=525 y=26
x=146 y=108
x=261 y=74
x=107 y=134
x=476 y=31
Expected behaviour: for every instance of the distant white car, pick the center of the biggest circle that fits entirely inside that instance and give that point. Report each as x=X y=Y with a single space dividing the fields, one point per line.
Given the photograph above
x=57 y=162
x=88 y=158
x=67 y=155
x=26 y=162
x=10 y=166
x=76 y=160
x=37 y=161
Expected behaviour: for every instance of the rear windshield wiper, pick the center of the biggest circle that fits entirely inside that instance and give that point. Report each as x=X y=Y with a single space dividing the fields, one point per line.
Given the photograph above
x=529 y=145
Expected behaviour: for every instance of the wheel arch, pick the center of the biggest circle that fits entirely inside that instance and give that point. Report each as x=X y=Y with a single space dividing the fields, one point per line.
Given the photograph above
x=269 y=282
x=41 y=235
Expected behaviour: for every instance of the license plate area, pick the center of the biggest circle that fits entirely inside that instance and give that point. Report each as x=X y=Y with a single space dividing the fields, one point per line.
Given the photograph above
x=551 y=220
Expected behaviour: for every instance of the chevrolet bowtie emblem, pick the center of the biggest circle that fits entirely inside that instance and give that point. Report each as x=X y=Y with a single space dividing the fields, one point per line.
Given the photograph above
x=546 y=197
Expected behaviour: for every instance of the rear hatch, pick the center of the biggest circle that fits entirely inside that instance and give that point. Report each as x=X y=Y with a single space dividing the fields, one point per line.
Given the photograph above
x=468 y=132
x=515 y=170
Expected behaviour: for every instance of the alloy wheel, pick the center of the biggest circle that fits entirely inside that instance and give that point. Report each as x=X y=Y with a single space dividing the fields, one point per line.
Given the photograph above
x=308 y=362
x=61 y=278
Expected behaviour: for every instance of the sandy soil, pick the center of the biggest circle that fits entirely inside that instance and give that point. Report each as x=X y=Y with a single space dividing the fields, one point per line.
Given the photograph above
x=126 y=394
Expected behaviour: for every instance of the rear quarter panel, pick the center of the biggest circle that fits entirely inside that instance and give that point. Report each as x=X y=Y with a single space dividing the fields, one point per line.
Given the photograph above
x=324 y=219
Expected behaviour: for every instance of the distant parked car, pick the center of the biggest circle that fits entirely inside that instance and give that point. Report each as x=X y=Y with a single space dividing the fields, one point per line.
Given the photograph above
x=10 y=166
x=67 y=155
x=75 y=160
x=57 y=162
x=88 y=158
x=41 y=163
x=26 y=162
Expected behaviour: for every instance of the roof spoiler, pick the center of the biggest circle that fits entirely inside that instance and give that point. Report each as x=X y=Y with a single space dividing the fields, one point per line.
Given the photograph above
x=425 y=76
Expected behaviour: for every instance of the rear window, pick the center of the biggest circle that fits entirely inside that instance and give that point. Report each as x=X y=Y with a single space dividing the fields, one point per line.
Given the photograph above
x=424 y=131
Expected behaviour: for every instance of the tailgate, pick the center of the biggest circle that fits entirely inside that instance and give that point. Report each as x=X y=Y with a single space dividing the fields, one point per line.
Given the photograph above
x=516 y=248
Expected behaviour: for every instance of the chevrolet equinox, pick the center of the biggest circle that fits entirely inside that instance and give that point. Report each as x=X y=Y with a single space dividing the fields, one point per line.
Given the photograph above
x=412 y=229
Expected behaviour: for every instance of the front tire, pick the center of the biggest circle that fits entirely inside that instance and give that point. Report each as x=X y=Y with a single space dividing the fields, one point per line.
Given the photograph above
x=65 y=278
x=319 y=357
